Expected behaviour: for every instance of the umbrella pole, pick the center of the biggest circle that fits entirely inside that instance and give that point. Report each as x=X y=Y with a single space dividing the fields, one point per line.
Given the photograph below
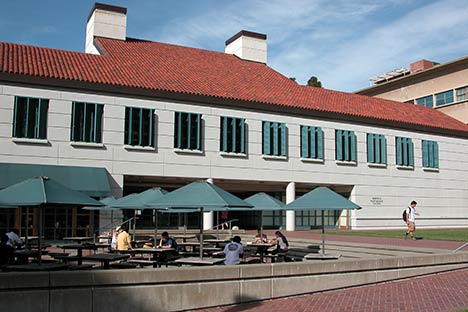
x=217 y=225
x=26 y=242
x=323 y=233
x=261 y=226
x=155 y=217
x=134 y=223
x=39 y=239
x=201 y=233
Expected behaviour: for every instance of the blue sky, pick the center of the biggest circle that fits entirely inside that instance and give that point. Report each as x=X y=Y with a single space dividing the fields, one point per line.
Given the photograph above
x=341 y=42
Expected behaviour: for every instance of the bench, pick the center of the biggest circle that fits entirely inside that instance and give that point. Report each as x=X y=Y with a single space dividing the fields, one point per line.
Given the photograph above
x=65 y=258
x=144 y=262
x=78 y=267
x=122 y=265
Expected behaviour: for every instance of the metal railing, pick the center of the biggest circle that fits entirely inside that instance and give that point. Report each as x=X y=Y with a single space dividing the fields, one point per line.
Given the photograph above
x=460 y=248
x=229 y=227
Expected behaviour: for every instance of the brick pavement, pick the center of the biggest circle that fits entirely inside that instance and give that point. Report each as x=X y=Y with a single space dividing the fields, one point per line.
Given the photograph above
x=444 y=292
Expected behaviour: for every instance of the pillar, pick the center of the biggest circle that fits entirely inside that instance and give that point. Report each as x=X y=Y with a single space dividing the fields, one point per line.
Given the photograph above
x=290 y=214
x=208 y=216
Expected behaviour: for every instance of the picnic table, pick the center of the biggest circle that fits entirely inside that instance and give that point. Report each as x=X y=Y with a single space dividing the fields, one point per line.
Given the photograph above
x=23 y=255
x=262 y=249
x=183 y=237
x=105 y=258
x=217 y=242
x=79 y=239
x=199 y=261
x=154 y=260
x=36 y=267
x=79 y=251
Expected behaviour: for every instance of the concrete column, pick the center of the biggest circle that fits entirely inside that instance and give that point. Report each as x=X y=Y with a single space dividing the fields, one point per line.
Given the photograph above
x=208 y=216
x=290 y=214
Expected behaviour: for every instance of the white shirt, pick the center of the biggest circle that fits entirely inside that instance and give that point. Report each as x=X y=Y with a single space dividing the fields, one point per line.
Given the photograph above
x=13 y=239
x=282 y=245
x=411 y=214
x=233 y=251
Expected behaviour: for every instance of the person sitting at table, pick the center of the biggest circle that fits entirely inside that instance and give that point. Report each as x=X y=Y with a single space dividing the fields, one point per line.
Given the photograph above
x=233 y=251
x=13 y=239
x=6 y=251
x=259 y=240
x=123 y=239
x=113 y=244
x=281 y=244
x=167 y=242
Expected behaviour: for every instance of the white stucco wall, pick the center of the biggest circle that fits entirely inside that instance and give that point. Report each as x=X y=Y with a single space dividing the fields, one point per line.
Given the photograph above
x=382 y=192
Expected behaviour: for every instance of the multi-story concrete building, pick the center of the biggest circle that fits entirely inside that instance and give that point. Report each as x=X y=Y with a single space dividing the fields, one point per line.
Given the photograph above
x=132 y=114
x=441 y=86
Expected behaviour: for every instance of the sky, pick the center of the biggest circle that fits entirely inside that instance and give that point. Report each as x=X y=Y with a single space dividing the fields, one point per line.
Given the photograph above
x=341 y=42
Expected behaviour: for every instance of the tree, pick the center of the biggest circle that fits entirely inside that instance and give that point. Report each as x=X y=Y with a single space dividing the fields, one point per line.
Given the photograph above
x=314 y=82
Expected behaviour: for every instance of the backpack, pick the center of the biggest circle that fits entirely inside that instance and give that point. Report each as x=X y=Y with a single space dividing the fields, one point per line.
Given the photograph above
x=405 y=215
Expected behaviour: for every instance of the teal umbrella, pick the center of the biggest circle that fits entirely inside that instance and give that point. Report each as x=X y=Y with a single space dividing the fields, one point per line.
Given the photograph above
x=139 y=201
x=265 y=202
x=200 y=196
x=41 y=192
x=321 y=198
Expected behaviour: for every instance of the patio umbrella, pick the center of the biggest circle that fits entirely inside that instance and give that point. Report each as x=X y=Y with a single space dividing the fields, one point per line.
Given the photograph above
x=200 y=196
x=322 y=198
x=41 y=192
x=265 y=202
x=139 y=201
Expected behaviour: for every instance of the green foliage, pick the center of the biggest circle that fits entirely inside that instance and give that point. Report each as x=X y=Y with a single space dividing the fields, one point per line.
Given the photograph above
x=314 y=82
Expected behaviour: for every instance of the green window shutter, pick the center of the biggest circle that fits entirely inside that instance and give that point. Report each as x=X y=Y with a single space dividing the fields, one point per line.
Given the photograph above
x=43 y=109
x=151 y=128
x=224 y=133
x=198 y=132
x=425 y=153
x=370 y=148
x=178 y=130
x=266 y=138
x=436 y=155
x=304 y=142
x=313 y=142
x=319 y=143
x=140 y=127
x=15 y=118
x=189 y=131
x=338 y=145
x=399 y=150
x=410 y=153
x=242 y=132
x=383 y=149
x=234 y=130
x=128 y=125
x=282 y=127
x=353 y=149
x=276 y=137
x=99 y=113
x=73 y=125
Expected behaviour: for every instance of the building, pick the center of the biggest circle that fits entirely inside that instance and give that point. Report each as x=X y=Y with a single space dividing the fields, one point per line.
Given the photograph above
x=132 y=114
x=440 y=86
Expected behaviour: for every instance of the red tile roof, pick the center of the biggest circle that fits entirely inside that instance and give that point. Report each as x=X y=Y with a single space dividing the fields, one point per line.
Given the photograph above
x=165 y=67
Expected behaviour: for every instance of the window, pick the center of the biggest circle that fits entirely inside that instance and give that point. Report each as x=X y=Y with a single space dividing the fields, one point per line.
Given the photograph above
x=426 y=101
x=311 y=142
x=139 y=126
x=461 y=94
x=232 y=135
x=404 y=152
x=376 y=148
x=187 y=131
x=345 y=143
x=444 y=97
x=30 y=118
x=430 y=154
x=86 y=122
x=274 y=138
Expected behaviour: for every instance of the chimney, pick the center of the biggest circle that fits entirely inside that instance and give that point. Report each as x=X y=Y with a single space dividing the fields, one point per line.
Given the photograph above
x=248 y=45
x=105 y=21
x=421 y=65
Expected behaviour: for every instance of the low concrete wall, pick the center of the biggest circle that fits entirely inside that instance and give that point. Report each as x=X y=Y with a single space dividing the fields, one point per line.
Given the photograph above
x=175 y=289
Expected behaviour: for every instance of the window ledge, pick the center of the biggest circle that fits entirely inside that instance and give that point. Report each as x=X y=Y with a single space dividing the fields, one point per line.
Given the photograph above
x=188 y=151
x=271 y=157
x=346 y=163
x=377 y=165
x=138 y=148
x=87 y=144
x=313 y=160
x=31 y=141
x=234 y=155
x=431 y=169
x=405 y=167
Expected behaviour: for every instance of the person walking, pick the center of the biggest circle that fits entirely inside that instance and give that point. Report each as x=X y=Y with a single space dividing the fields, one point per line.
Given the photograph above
x=123 y=239
x=411 y=220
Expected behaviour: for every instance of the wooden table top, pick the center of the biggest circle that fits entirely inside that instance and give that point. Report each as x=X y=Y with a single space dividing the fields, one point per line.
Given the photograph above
x=198 y=261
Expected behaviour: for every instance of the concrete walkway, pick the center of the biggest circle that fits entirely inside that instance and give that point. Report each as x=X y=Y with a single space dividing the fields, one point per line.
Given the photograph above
x=446 y=292
x=438 y=292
